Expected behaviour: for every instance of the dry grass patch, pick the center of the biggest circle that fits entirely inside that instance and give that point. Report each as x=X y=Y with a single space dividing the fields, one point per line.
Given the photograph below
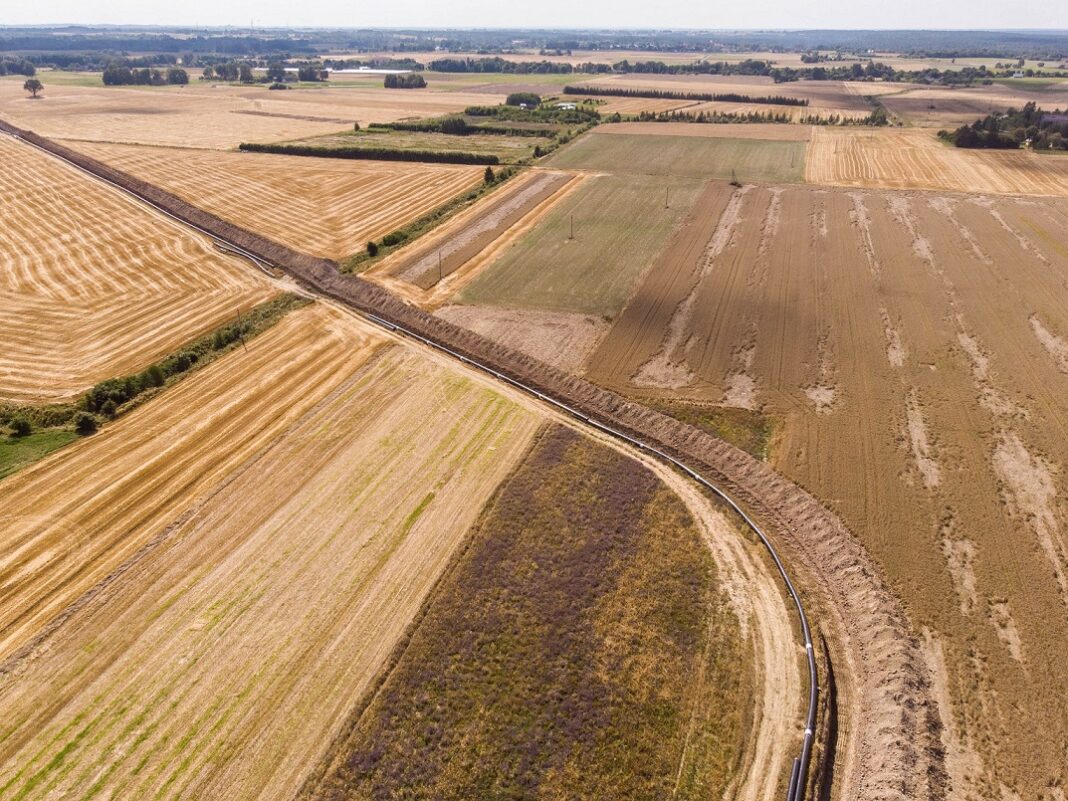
x=279 y=518
x=326 y=207
x=93 y=284
x=620 y=224
x=690 y=156
x=579 y=648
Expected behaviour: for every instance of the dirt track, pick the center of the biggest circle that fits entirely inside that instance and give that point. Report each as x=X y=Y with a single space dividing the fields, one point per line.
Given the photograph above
x=884 y=689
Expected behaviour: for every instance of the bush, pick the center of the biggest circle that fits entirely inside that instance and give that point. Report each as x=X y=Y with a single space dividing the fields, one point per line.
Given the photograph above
x=20 y=427
x=85 y=424
x=277 y=86
x=523 y=99
x=488 y=176
x=411 y=80
x=372 y=249
x=394 y=238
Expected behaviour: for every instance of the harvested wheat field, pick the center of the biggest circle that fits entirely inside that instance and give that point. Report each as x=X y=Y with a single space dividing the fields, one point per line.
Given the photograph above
x=327 y=207
x=913 y=349
x=221 y=117
x=195 y=598
x=93 y=284
x=917 y=159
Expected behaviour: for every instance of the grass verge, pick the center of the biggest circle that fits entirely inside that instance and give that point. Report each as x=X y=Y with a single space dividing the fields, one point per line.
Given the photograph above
x=17 y=452
x=751 y=431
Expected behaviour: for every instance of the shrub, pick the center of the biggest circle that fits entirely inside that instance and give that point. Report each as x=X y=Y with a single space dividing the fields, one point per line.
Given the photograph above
x=488 y=176
x=372 y=249
x=394 y=238
x=523 y=99
x=85 y=424
x=20 y=427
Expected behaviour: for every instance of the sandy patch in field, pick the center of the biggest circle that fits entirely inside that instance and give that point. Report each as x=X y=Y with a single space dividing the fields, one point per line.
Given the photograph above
x=1005 y=627
x=1033 y=494
x=1056 y=347
x=922 y=451
x=960 y=559
x=557 y=338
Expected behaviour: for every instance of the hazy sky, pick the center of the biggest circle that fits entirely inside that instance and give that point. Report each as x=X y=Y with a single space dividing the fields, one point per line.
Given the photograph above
x=547 y=13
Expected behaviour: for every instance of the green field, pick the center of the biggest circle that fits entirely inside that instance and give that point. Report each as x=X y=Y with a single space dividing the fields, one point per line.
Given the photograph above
x=509 y=149
x=620 y=225
x=17 y=452
x=578 y=648
x=757 y=160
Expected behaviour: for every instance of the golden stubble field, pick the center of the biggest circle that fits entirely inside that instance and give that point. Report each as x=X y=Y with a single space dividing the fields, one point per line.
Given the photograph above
x=914 y=158
x=216 y=116
x=231 y=563
x=327 y=207
x=95 y=285
x=914 y=349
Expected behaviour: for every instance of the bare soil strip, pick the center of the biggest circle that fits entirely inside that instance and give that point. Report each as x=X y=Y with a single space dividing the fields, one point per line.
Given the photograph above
x=883 y=686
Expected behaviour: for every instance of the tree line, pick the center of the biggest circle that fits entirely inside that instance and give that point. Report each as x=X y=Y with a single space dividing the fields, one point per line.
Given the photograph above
x=17 y=66
x=116 y=74
x=1042 y=130
x=372 y=153
x=665 y=94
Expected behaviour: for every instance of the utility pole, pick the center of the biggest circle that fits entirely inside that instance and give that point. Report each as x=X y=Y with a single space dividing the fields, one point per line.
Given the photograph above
x=572 y=227
x=241 y=332
x=439 y=266
x=666 y=197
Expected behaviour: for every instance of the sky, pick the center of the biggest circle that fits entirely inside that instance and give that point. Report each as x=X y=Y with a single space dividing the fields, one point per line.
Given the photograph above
x=846 y=14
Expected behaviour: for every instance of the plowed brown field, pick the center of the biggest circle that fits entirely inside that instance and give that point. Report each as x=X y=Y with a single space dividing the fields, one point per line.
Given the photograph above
x=193 y=599
x=916 y=159
x=327 y=207
x=914 y=348
x=93 y=284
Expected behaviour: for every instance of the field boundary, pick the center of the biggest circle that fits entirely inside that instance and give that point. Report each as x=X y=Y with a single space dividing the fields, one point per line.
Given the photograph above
x=880 y=660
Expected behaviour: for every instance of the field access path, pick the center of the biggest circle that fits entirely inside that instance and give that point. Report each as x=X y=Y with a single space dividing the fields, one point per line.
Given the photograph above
x=883 y=693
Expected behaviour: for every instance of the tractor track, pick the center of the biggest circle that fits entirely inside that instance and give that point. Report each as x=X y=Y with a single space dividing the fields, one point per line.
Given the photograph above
x=890 y=724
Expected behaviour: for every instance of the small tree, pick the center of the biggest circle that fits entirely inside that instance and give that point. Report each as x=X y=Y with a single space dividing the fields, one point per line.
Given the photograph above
x=85 y=424
x=20 y=427
x=372 y=249
x=276 y=71
x=489 y=177
x=33 y=86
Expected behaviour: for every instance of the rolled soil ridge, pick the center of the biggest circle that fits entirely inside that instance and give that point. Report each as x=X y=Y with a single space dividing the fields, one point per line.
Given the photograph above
x=890 y=738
